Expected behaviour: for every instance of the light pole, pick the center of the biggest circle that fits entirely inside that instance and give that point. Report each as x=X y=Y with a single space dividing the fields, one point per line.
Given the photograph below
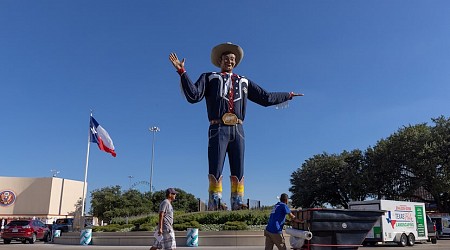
x=54 y=172
x=153 y=130
x=130 y=177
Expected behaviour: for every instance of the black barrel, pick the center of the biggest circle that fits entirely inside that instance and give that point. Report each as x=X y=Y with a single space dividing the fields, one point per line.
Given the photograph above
x=336 y=229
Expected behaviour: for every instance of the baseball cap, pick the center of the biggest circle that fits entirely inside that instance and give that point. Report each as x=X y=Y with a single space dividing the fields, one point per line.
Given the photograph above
x=171 y=191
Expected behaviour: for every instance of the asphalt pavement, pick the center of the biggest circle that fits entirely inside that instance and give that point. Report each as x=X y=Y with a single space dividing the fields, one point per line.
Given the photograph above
x=443 y=244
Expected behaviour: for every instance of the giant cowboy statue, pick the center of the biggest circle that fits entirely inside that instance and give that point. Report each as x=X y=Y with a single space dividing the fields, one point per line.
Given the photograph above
x=226 y=95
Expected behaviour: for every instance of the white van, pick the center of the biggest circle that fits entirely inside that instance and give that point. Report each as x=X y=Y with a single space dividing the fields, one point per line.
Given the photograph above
x=442 y=224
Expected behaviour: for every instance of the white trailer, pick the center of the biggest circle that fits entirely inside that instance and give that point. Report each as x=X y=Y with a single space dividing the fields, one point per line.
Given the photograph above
x=403 y=222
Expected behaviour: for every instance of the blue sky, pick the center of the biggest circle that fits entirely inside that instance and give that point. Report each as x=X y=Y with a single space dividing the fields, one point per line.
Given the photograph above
x=366 y=68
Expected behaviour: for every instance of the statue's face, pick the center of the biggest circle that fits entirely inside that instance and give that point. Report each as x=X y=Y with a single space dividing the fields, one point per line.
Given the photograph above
x=227 y=62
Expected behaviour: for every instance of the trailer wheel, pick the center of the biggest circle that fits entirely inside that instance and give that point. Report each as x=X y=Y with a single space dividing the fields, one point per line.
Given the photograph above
x=403 y=240
x=411 y=239
x=433 y=240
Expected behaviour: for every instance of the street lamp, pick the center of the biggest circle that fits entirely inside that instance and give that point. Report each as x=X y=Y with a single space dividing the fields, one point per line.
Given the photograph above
x=54 y=172
x=153 y=130
x=130 y=177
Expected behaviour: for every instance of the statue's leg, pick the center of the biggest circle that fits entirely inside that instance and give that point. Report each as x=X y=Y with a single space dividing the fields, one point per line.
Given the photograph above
x=236 y=159
x=237 y=193
x=215 y=192
x=217 y=146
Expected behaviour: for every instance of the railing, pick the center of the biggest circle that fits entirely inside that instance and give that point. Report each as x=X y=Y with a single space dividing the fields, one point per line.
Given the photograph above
x=250 y=204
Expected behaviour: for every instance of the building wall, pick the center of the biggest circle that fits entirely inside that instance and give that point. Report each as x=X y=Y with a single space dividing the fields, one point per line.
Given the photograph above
x=50 y=197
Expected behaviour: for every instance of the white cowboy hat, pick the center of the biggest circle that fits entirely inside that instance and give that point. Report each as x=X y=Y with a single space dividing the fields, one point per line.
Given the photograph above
x=217 y=52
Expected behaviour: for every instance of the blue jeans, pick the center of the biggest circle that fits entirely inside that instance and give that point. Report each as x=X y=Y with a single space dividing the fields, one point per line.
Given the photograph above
x=225 y=139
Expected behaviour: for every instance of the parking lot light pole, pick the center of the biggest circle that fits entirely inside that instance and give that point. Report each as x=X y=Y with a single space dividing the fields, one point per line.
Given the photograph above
x=54 y=172
x=153 y=130
x=130 y=177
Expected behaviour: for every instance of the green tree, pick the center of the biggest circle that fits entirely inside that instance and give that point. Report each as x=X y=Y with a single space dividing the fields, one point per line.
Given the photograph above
x=413 y=146
x=411 y=162
x=135 y=203
x=104 y=201
x=184 y=201
x=385 y=171
x=440 y=186
x=329 y=179
x=308 y=189
x=354 y=176
x=110 y=202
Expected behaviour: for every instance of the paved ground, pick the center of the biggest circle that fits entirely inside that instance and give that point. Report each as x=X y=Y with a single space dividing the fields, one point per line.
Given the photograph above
x=443 y=244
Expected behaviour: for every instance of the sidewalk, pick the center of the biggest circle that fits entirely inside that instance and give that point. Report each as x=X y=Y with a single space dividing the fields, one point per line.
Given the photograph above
x=42 y=246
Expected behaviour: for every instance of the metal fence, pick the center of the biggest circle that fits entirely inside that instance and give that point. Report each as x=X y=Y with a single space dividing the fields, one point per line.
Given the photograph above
x=250 y=204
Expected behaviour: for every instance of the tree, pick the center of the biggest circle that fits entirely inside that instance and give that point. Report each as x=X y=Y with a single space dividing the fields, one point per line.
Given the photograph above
x=110 y=202
x=385 y=171
x=135 y=203
x=184 y=201
x=413 y=163
x=355 y=176
x=413 y=145
x=329 y=179
x=440 y=189
x=104 y=201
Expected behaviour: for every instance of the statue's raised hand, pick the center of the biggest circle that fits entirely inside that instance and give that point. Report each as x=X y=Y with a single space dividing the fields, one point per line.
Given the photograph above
x=176 y=63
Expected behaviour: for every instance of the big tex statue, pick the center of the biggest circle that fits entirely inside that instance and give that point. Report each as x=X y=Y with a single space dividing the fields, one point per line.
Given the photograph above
x=226 y=95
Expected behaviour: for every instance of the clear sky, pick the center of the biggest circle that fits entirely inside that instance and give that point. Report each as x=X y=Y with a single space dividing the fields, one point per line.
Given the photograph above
x=367 y=68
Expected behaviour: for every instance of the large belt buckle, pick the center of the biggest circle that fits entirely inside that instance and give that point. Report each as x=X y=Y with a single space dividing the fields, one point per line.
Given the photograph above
x=230 y=119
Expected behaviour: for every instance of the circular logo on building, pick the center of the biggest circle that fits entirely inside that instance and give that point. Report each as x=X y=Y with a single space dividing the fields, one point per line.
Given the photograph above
x=7 y=197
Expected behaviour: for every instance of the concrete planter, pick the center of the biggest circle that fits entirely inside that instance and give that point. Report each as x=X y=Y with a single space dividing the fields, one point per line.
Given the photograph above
x=221 y=238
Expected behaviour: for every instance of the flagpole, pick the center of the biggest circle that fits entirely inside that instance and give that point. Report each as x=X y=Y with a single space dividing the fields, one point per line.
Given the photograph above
x=85 y=172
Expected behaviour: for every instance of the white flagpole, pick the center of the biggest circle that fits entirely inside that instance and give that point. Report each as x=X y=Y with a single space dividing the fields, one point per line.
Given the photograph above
x=86 y=171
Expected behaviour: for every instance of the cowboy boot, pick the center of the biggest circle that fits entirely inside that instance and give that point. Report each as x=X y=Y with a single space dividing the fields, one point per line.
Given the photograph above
x=215 y=192
x=237 y=193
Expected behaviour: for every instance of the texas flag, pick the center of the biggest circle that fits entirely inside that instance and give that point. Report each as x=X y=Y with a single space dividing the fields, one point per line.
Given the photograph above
x=101 y=137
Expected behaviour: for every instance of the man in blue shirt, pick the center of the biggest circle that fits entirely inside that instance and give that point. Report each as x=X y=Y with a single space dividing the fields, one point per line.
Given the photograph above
x=274 y=228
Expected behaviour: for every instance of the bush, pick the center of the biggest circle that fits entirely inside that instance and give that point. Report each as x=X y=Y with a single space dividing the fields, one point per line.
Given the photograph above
x=211 y=218
x=251 y=217
x=184 y=226
x=235 y=225
x=145 y=227
x=118 y=220
x=207 y=221
x=182 y=218
x=113 y=228
x=151 y=219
